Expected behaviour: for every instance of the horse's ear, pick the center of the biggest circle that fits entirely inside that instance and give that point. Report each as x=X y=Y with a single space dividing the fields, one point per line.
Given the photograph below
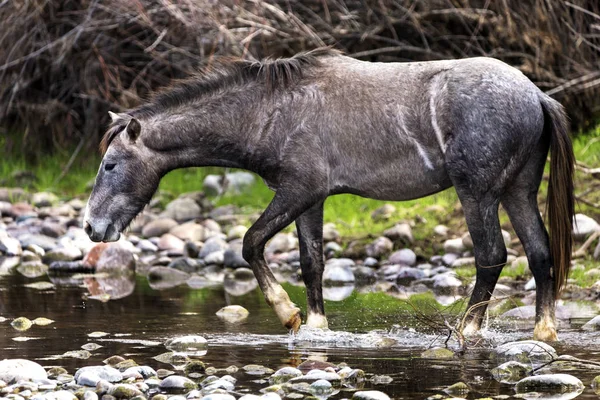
x=133 y=129
x=113 y=116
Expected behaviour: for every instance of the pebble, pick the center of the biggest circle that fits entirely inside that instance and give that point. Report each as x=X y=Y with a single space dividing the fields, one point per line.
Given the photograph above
x=551 y=383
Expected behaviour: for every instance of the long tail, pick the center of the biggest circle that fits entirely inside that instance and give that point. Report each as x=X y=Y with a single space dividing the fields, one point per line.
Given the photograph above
x=560 y=190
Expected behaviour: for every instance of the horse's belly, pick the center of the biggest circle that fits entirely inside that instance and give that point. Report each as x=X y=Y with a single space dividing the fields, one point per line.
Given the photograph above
x=395 y=183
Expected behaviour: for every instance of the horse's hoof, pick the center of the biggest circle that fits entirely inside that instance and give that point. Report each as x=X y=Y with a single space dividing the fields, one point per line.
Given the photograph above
x=545 y=330
x=470 y=330
x=293 y=324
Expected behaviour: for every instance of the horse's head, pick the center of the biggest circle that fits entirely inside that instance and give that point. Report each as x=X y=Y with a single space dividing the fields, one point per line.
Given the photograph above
x=127 y=178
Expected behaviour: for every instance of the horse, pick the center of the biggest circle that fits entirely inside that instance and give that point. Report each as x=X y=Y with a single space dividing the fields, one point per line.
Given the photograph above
x=321 y=123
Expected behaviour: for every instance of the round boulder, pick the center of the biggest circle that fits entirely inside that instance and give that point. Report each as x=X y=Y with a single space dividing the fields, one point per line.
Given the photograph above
x=12 y=371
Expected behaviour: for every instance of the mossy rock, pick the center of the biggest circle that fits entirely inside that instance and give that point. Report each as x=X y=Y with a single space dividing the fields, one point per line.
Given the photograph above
x=437 y=353
x=194 y=367
x=459 y=388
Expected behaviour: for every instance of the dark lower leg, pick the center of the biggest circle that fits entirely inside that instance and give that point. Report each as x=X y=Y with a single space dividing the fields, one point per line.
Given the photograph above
x=310 y=236
x=283 y=210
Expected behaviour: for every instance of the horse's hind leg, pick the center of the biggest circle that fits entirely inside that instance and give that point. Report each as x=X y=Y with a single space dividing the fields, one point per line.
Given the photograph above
x=520 y=202
x=286 y=206
x=481 y=213
x=310 y=234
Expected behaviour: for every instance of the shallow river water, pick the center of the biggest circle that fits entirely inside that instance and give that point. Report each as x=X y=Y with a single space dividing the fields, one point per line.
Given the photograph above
x=139 y=323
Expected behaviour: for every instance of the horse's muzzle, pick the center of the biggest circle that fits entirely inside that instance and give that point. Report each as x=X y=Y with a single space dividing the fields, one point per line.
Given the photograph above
x=101 y=231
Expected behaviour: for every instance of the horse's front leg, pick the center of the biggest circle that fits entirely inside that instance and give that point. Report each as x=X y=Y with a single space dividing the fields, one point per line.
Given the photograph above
x=310 y=235
x=286 y=206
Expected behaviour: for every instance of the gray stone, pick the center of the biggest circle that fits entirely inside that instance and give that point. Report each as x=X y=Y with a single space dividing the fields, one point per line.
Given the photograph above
x=408 y=274
x=171 y=243
x=188 y=343
x=190 y=231
x=321 y=387
x=211 y=245
x=53 y=229
x=446 y=280
x=317 y=374
x=455 y=262
x=383 y=213
x=14 y=370
x=238 y=182
x=147 y=246
x=32 y=269
x=330 y=233
x=216 y=258
x=404 y=257
x=9 y=246
x=584 y=226
x=364 y=275
x=124 y=391
x=525 y=351
x=282 y=243
x=185 y=264
x=511 y=372
x=593 y=324
x=115 y=258
x=530 y=285
x=441 y=230
x=236 y=232
x=370 y=395
x=90 y=395
x=182 y=209
x=42 y=241
x=233 y=314
x=379 y=247
x=455 y=246
x=551 y=383
x=90 y=376
x=338 y=270
x=212 y=185
x=233 y=258
x=177 y=383
x=400 y=233
x=284 y=374
x=158 y=227
x=67 y=253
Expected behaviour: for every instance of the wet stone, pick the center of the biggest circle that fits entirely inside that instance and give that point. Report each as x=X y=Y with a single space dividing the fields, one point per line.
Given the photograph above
x=187 y=343
x=21 y=324
x=370 y=395
x=112 y=360
x=176 y=383
x=437 y=353
x=511 y=372
x=593 y=324
x=158 y=227
x=551 y=383
x=253 y=369
x=379 y=247
x=233 y=313
x=321 y=387
x=218 y=396
x=194 y=367
x=91 y=346
x=90 y=376
x=56 y=371
x=32 y=269
x=164 y=277
x=89 y=395
x=525 y=351
x=125 y=364
x=338 y=270
x=14 y=370
x=458 y=389
x=403 y=257
x=78 y=354
x=317 y=374
x=284 y=374
x=124 y=391
x=381 y=379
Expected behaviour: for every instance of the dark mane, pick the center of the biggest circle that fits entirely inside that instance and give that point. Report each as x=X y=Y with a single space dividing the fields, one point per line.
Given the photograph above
x=228 y=72
x=225 y=72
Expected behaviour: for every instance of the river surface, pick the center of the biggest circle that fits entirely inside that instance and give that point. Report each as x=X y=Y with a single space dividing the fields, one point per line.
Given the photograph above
x=139 y=323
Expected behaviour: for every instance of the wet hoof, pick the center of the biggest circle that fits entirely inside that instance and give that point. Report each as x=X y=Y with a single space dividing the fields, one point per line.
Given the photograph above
x=470 y=330
x=294 y=322
x=545 y=330
x=318 y=321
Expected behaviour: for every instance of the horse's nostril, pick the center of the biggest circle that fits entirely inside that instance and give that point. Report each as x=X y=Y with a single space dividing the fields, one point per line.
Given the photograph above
x=87 y=228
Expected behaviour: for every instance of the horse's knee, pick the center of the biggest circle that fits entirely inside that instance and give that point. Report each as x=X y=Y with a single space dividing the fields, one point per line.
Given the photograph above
x=251 y=248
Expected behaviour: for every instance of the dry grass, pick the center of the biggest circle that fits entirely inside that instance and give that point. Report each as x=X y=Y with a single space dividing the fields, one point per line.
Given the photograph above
x=64 y=63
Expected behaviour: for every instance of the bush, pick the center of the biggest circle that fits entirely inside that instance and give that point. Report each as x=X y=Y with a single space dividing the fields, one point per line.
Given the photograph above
x=65 y=63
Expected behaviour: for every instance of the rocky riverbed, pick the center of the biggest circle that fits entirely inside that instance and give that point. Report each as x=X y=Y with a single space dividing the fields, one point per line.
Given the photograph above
x=190 y=244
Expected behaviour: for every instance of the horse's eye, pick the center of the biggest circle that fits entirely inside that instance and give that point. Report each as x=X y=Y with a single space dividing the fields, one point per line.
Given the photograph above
x=109 y=167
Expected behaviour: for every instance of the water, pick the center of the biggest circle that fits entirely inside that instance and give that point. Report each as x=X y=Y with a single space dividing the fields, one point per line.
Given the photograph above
x=139 y=323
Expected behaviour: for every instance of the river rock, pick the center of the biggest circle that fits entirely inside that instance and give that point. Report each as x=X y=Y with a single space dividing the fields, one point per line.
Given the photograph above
x=584 y=226
x=59 y=395
x=21 y=324
x=145 y=371
x=404 y=257
x=14 y=370
x=240 y=282
x=437 y=353
x=182 y=209
x=171 y=243
x=370 y=395
x=176 y=383
x=222 y=396
x=511 y=372
x=408 y=274
x=525 y=351
x=124 y=391
x=147 y=246
x=284 y=374
x=317 y=374
x=215 y=258
x=338 y=270
x=593 y=324
x=454 y=246
x=236 y=232
x=185 y=264
x=383 y=213
x=400 y=233
x=42 y=241
x=190 y=343
x=44 y=199
x=158 y=227
x=32 y=269
x=233 y=258
x=233 y=314
x=212 y=245
x=90 y=376
x=321 y=387
x=164 y=277
x=446 y=283
x=190 y=231
x=9 y=246
x=379 y=247
x=330 y=233
x=282 y=243
x=115 y=258
x=551 y=383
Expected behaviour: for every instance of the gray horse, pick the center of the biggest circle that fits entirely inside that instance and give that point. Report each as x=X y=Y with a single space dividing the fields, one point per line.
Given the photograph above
x=320 y=124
